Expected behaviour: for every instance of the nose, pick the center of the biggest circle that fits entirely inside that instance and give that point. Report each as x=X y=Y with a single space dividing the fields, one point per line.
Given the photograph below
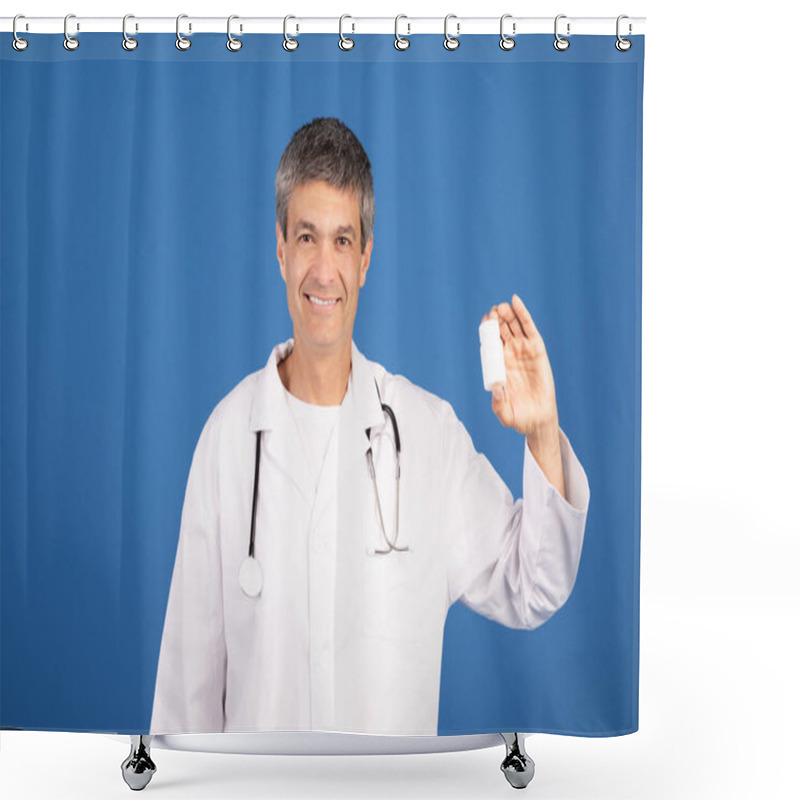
x=324 y=267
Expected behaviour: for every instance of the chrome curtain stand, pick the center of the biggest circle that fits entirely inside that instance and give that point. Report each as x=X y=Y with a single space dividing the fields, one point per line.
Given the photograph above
x=138 y=768
x=518 y=767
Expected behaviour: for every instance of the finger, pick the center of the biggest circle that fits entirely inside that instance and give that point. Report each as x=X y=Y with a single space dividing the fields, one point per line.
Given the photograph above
x=526 y=320
x=505 y=331
x=510 y=318
x=516 y=323
x=500 y=405
x=492 y=314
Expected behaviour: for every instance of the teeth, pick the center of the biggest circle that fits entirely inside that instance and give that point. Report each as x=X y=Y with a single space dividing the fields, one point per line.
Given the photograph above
x=321 y=302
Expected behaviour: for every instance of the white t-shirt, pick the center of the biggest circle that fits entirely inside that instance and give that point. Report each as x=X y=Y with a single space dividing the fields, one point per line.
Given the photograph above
x=311 y=662
x=315 y=426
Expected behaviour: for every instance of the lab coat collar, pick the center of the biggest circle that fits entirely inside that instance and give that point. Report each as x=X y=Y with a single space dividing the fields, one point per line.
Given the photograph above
x=360 y=410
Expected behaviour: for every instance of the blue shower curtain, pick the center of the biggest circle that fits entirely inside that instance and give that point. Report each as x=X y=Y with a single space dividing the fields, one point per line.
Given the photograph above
x=139 y=284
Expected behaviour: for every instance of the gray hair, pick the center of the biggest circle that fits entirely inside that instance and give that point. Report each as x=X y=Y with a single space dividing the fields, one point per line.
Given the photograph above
x=326 y=149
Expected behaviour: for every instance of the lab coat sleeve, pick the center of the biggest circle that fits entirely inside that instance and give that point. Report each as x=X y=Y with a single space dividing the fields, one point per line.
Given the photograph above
x=512 y=561
x=190 y=683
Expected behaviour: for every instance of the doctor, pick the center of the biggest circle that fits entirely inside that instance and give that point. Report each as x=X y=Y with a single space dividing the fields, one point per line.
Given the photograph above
x=342 y=635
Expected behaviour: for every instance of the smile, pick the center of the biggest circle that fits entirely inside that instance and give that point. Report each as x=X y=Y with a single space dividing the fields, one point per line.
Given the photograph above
x=322 y=301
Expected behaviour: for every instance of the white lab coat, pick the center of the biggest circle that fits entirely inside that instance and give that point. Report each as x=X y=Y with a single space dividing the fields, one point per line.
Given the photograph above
x=343 y=639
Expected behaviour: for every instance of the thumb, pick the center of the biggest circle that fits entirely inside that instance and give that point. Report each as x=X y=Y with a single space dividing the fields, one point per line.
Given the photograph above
x=500 y=404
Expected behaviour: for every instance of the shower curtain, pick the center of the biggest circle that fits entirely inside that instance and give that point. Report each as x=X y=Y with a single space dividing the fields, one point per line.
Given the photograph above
x=140 y=285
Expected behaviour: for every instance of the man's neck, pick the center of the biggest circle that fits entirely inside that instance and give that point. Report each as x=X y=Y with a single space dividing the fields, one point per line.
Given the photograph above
x=319 y=378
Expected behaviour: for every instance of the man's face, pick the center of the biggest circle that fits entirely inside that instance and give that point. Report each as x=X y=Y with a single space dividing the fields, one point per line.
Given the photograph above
x=322 y=263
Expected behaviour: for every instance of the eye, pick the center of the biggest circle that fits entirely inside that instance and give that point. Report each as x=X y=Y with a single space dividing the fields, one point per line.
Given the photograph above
x=344 y=241
x=305 y=237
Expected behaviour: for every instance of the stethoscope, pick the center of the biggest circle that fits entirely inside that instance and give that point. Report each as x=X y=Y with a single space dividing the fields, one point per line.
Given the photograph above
x=251 y=578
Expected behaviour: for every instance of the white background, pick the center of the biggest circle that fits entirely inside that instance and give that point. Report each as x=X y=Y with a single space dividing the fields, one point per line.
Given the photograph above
x=719 y=699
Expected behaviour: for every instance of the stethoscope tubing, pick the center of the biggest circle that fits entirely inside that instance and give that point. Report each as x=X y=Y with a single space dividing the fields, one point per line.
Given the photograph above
x=252 y=576
x=252 y=550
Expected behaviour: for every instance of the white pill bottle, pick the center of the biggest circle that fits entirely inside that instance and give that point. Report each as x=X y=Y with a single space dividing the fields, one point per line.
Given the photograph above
x=492 y=362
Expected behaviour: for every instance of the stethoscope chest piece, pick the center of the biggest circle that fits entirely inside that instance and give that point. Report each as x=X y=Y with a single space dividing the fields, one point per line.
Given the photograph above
x=250 y=577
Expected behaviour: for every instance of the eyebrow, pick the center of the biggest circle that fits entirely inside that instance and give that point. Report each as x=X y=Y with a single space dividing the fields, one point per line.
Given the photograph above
x=304 y=224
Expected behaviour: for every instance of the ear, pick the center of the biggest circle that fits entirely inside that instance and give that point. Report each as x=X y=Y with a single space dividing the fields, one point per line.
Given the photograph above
x=279 y=250
x=365 y=258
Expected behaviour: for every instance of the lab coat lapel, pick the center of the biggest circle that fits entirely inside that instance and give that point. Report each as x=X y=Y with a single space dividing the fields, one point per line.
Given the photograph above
x=270 y=413
x=361 y=410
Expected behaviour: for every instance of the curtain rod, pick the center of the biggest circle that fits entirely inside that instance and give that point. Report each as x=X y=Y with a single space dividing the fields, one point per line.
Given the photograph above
x=513 y=26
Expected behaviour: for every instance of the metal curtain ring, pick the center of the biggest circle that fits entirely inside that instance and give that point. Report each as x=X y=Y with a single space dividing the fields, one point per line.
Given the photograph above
x=128 y=42
x=289 y=44
x=181 y=42
x=70 y=42
x=560 y=43
x=400 y=42
x=18 y=43
x=623 y=44
x=451 y=42
x=345 y=43
x=507 y=42
x=233 y=44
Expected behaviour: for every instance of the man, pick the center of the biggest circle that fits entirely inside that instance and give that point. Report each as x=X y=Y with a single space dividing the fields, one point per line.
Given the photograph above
x=342 y=627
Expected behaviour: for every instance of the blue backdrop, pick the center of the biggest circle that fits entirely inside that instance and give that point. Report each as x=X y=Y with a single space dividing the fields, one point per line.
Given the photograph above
x=139 y=284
